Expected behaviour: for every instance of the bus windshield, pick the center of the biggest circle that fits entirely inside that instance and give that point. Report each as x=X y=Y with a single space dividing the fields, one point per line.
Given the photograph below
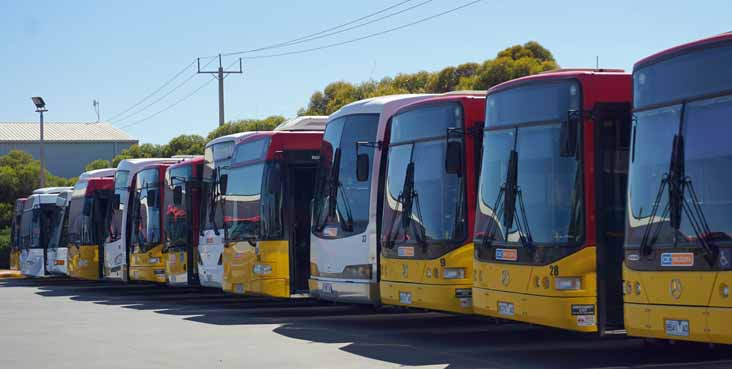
x=120 y=189
x=243 y=201
x=177 y=216
x=217 y=159
x=341 y=202
x=81 y=227
x=705 y=126
x=145 y=230
x=423 y=203
x=548 y=198
x=56 y=230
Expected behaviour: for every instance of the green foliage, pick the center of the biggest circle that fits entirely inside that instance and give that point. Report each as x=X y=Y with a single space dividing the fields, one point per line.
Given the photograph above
x=184 y=145
x=4 y=247
x=245 y=125
x=513 y=62
x=19 y=176
x=97 y=164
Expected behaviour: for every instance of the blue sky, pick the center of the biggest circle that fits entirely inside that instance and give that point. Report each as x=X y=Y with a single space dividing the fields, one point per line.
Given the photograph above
x=71 y=52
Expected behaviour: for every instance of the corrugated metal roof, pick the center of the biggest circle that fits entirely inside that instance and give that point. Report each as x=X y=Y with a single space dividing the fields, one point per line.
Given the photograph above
x=62 y=132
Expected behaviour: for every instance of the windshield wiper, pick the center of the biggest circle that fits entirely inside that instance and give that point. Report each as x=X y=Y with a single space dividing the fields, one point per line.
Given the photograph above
x=409 y=200
x=334 y=186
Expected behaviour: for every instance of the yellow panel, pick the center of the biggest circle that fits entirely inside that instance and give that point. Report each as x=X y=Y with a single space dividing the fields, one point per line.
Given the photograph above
x=724 y=279
x=14 y=260
x=176 y=263
x=695 y=287
x=241 y=260
x=719 y=325
x=141 y=269
x=83 y=261
x=636 y=319
x=658 y=314
x=543 y=310
x=423 y=279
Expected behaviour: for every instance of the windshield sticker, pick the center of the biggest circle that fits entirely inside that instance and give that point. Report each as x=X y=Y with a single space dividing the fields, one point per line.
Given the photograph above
x=330 y=231
x=507 y=254
x=406 y=251
x=585 y=320
x=677 y=259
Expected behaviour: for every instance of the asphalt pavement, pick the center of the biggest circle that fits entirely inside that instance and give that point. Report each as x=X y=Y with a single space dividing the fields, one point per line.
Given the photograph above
x=61 y=323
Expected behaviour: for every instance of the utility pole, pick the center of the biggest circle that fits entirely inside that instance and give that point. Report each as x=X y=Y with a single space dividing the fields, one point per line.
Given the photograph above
x=220 y=74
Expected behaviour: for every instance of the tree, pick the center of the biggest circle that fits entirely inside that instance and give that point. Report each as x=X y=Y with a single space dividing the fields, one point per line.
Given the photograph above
x=513 y=62
x=184 y=145
x=245 y=125
x=97 y=164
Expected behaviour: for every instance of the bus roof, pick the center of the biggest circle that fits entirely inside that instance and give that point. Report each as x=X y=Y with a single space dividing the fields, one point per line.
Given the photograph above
x=106 y=172
x=236 y=137
x=553 y=75
x=287 y=140
x=198 y=159
x=51 y=190
x=448 y=96
x=683 y=48
x=304 y=123
x=375 y=105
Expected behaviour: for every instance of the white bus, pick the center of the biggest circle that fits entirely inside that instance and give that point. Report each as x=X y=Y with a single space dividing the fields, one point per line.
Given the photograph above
x=40 y=214
x=344 y=238
x=115 y=244
x=57 y=249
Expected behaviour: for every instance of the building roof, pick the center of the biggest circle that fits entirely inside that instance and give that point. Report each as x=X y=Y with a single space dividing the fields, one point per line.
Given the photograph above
x=62 y=132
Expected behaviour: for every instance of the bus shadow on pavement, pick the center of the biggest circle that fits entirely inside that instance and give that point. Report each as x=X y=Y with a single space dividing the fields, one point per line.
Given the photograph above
x=389 y=334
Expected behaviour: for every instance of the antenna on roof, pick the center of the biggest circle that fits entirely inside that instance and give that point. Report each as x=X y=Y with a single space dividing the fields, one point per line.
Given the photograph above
x=95 y=104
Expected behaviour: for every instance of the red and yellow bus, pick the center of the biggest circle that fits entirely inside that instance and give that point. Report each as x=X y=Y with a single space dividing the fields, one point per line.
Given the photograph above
x=267 y=192
x=182 y=204
x=678 y=246
x=551 y=200
x=426 y=257
x=89 y=209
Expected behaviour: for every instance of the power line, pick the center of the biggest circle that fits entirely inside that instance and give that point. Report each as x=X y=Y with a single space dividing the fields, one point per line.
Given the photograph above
x=128 y=116
x=326 y=33
x=184 y=98
x=372 y=35
x=297 y=40
x=154 y=92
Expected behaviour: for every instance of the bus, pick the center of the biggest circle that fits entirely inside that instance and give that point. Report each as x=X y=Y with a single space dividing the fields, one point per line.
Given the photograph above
x=266 y=213
x=89 y=209
x=678 y=245
x=147 y=256
x=116 y=241
x=217 y=160
x=57 y=250
x=44 y=214
x=181 y=206
x=428 y=188
x=15 y=234
x=344 y=242
x=57 y=254
x=549 y=229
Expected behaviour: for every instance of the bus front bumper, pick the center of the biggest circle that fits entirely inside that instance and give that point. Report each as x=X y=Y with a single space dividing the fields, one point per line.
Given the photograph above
x=571 y=313
x=338 y=290
x=454 y=298
x=687 y=323
x=154 y=274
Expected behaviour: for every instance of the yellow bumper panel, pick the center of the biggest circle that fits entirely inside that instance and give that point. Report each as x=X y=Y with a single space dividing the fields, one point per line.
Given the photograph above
x=83 y=262
x=700 y=324
x=262 y=271
x=176 y=266
x=548 y=311
x=15 y=260
x=149 y=266
x=450 y=298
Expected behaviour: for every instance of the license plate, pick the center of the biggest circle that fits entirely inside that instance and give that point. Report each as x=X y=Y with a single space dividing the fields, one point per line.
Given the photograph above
x=505 y=308
x=677 y=328
x=405 y=298
x=327 y=287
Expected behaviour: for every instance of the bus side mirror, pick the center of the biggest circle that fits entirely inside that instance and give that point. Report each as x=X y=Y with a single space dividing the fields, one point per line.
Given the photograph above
x=454 y=158
x=568 y=136
x=178 y=195
x=362 y=167
x=223 y=183
x=273 y=180
x=87 y=209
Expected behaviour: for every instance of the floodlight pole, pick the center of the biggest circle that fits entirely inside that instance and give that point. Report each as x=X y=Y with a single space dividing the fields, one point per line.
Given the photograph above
x=43 y=168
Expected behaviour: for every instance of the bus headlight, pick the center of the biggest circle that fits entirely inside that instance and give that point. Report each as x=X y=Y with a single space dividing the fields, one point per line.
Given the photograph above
x=153 y=260
x=567 y=283
x=627 y=288
x=262 y=269
x=724 y=290
x=453 y=273
x=637 y=288
x=362 y=271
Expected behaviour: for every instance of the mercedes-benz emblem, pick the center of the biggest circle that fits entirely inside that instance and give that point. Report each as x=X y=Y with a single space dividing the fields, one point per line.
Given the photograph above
x=676 y=288
x=505 y=278
x=405 y=270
